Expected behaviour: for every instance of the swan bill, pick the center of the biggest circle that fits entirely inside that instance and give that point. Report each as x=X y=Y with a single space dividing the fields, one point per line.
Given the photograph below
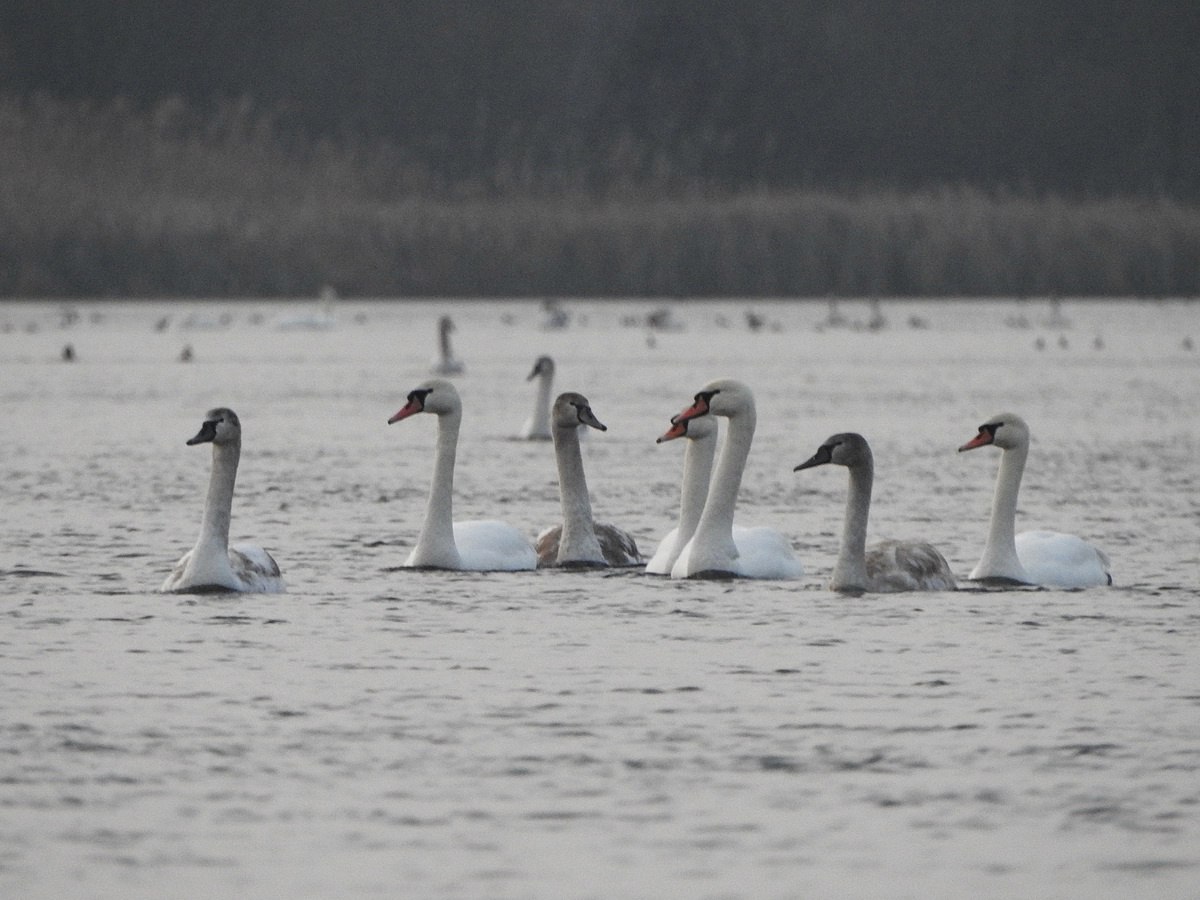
x=415 y=404
x=823 y=456
x=206 y=435
x=678 y=429
x=986 y=436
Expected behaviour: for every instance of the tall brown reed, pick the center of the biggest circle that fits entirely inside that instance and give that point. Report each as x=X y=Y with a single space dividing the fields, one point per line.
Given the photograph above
x=109 y=200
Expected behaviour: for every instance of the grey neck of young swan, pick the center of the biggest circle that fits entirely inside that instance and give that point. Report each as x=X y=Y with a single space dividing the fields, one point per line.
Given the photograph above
x=578 y=542
x=218 y=504
x=850 y=571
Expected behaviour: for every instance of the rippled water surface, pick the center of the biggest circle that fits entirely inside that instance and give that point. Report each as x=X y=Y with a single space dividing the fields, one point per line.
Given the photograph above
x=377 y=732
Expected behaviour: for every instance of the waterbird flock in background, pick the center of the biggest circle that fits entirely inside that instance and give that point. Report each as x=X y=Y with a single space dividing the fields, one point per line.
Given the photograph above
x=706 y=542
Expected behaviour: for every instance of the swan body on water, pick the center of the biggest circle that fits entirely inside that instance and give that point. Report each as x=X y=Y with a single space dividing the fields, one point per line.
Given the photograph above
x=713 y=551
x=1047 y=558
x=537 y=426
x=213 y=565
x=579 y=541
x=477 y=545
x=756 y=545
x=885 y=566
x=445 y=363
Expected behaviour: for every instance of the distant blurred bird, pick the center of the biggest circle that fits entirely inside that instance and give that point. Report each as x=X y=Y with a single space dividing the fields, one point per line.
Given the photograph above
x=322 y=318
x=554 y=317
x=445 y=363
x=537 y=426
x=68 y=353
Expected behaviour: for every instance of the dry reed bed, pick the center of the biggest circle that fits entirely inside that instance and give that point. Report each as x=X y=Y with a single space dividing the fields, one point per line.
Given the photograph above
x=112 y=201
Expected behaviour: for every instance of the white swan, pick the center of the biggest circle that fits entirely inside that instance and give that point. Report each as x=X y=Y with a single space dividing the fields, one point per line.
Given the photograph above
x=443 y=543
x=712 y=550
x=885 y=566
x=445 y=363
x=579 y=540
x=701 y=435
x=537 y=426
x=1032 y=557
x=212 y=565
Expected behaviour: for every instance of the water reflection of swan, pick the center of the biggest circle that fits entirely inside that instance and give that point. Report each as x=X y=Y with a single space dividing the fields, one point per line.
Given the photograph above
x=478 y=545
x=537 y=426
x=445 y=363
x=712 y=550
x=579 y=540
x=212 y=564
x=886 y=565
x=1032 y=557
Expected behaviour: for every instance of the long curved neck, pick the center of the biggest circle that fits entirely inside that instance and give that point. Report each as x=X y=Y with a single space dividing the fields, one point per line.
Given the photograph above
x=435 y=546
x=697 y=475
x=1000 y=552
x=850 y=571
x=713 y=547
x=578 y=540
x=218 y=504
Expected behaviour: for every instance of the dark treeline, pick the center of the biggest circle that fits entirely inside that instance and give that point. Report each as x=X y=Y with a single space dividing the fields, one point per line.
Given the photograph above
x=652 y=147
x=1075 y=96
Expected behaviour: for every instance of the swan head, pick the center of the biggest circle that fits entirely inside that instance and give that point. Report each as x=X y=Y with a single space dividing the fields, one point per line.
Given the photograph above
x=543 y=366
x=1006 y=431
x=723 y=397
x=692 y=429
x=221 y=426
x=445 y=325
x=847 y=449
x=572 y=410
x=436 y=396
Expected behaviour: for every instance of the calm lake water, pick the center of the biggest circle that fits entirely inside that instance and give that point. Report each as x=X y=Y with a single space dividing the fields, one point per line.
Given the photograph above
x=377 y=732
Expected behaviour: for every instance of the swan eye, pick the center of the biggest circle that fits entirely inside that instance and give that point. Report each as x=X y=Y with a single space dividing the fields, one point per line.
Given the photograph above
x=418 y=396
x=991 y=427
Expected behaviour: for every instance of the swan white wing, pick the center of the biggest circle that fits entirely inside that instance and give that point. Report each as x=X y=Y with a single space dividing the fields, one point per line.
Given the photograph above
x=255 y=569
x=1054 y=559
x=907 y=566
x=765 y=553
x=664 y=557
x=492 y=546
